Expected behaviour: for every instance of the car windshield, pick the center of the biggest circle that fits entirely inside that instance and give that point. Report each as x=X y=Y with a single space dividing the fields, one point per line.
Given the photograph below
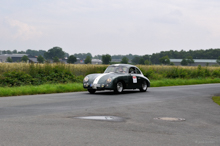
x=116 y=69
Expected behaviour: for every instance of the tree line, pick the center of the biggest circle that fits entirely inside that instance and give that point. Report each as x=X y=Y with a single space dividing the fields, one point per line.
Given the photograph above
x=162 y=57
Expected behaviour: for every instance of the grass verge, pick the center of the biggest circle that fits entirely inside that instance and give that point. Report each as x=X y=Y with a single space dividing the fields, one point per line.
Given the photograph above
x=74 y=87
x=41 y=89
x=216 y=99
x=176 y=82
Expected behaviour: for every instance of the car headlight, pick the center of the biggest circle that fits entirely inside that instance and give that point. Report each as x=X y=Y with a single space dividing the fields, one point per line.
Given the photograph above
x=109 y=80
x=86 y=79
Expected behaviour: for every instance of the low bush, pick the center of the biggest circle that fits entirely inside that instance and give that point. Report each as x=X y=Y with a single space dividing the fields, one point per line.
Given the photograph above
x=38 y=75
x=15 y=78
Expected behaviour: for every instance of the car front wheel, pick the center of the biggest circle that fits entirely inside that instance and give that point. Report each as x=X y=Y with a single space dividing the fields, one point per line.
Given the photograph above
x=91 y=91
x=143 y=86
x=119 y=87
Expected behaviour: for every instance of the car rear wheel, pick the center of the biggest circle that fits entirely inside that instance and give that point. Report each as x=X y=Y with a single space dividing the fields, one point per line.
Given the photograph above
x=143 y=86
x=91 y=91
x=119 y=87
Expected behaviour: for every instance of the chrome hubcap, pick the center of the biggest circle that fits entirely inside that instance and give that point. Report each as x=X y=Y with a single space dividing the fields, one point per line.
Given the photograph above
x=144 y=85
x=119 y=87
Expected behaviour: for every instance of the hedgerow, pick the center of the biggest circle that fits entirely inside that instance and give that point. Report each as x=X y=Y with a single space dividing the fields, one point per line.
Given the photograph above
x=37 y=75
x=18 y=74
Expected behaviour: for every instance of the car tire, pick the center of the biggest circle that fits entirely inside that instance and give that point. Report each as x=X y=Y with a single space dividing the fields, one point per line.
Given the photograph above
x=91 y=91
x=119 y=87
x=143 y=86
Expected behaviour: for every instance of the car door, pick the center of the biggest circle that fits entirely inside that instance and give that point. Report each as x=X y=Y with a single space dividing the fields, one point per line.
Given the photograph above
x=134 y=78
x=139 y=77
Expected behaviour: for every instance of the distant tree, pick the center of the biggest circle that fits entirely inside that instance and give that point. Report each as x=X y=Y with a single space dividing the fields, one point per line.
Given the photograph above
x=40 y=59
x=147 y=62
x=41 y=52
x=71 y=59
x=171 y=63
x=21 y=52
x=56 y=59
x=190 y=60
x=9 y=59
x=98 y=57
x=165 y=60
x=124 y=60
x=106 y=59
x=218 y=60
x=8 y=52
x=88 y=60
x=141 y=61
x=24 y=58
x=82 y=56
x=14 y=51
x=184 y=62
x=66 y=55
x=54 y=52
x=135 y=60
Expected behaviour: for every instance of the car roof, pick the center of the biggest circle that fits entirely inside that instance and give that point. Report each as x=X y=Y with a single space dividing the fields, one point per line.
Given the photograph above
x=127 y=65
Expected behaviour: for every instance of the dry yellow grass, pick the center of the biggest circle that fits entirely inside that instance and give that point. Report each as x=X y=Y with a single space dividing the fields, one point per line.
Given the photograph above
x=165 y=68
x=77 y=69
x=83 y=69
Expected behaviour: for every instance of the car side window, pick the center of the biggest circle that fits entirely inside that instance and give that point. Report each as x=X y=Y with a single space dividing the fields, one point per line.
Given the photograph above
x=138 y=71
x=132 y=70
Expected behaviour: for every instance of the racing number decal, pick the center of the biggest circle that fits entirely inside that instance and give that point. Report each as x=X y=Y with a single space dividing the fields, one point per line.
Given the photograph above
x=134 y=79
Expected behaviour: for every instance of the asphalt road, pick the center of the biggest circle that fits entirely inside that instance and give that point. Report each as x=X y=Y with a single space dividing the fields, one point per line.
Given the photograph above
x=40 y=120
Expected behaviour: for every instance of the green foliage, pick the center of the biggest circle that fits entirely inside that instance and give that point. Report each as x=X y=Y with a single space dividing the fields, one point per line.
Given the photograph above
x=9 y=59
x=24 y=58
x=171 y=63
x=54 y=52
x=165 y=60
x=35 y=52
x=40 y=59
x=15 y=78
x=106 y=59
x=88 y=60
x=146 y=62
x=82 y=56
x=216 y=73
x=14 y=51
x=56 y=59
x=184 y=62
x=141 y=61
x=189 y=60
x=124 y=60
x=38 y=75
x=71 y=59
x=135 y=60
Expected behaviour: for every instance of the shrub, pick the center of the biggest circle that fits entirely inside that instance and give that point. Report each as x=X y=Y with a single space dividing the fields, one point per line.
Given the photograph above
x=15 y=78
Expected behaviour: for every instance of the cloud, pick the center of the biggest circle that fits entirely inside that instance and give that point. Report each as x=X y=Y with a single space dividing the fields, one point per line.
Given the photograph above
x=16 y=29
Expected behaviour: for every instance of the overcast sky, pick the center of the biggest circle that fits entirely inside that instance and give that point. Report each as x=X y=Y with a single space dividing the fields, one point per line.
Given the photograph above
x=110 y=26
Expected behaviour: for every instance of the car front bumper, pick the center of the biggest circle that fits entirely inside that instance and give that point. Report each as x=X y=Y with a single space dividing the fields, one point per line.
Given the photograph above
x=98 y=86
